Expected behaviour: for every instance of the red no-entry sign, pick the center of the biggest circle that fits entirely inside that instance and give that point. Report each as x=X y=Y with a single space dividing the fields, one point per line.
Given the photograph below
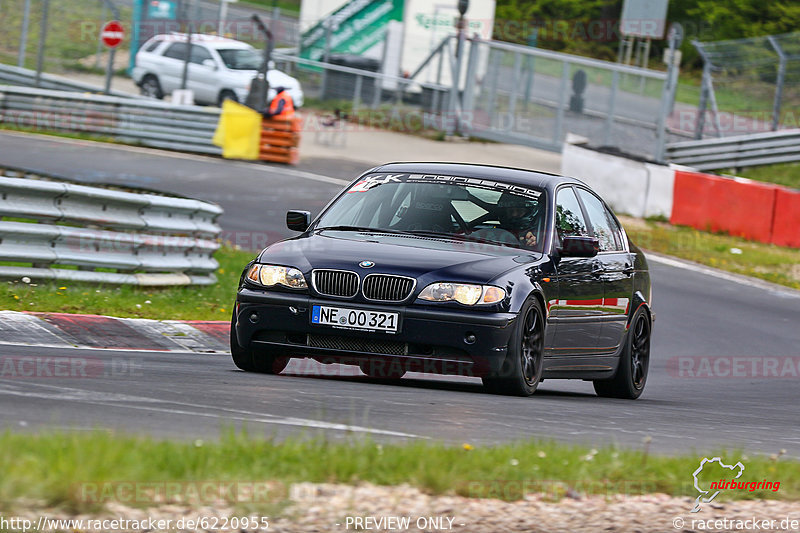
x=112 y=34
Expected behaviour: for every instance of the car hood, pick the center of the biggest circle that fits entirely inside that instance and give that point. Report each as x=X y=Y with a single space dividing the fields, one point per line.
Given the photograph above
x=425 y=258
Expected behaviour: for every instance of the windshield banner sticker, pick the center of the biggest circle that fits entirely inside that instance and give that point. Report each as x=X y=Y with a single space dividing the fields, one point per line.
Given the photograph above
x=379 y=179
x=375 y=180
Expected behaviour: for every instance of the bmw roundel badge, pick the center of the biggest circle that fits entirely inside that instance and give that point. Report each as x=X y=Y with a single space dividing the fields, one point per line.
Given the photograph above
x=366 y=264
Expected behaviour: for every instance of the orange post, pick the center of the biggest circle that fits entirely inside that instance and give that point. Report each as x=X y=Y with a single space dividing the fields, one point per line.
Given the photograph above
x=280 y=139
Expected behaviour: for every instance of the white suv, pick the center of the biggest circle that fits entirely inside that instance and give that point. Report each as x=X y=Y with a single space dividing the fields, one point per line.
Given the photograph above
x=219 y=68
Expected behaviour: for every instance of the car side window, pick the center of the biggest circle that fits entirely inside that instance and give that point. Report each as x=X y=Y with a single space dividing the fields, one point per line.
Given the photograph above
x=569 y=217
x=199 y=54
x=176 y=51
x=153 y=45
x=605 y=228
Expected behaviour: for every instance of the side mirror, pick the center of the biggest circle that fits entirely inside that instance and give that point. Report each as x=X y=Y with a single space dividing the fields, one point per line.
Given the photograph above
x=298 y=220
x=573 y=246
x=210 y=63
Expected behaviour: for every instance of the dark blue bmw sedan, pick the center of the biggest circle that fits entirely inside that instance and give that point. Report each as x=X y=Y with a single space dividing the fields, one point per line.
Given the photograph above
x=514 y=276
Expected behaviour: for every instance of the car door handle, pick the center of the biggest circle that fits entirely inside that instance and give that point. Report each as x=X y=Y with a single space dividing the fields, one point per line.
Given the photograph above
x=628 y=269
x=598 y=268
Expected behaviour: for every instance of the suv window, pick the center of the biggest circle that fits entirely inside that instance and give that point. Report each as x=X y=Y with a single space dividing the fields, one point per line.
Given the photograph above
x=199 y=54
x=605 y=227
x=176 y=51
x=569 y=217
x=153 y=45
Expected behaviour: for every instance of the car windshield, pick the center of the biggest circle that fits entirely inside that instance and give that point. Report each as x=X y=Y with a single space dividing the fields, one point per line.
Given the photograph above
x=467 y=209
x=241 y=58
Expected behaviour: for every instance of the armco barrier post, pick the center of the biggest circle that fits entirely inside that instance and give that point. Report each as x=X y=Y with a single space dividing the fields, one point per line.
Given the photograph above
x=786 y=221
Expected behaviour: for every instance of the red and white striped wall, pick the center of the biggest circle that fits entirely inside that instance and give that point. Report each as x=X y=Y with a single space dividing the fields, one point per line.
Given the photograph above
x=738 y=206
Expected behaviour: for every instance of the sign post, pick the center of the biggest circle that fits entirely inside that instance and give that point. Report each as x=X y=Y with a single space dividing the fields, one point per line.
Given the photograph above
x=111 y=35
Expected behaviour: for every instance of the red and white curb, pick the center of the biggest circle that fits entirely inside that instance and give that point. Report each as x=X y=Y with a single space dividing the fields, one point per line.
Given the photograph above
x=66 y=330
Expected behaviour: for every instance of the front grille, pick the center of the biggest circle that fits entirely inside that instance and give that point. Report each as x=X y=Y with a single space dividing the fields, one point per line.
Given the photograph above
x=387 y=288
x=341 y=283
x=351 y=344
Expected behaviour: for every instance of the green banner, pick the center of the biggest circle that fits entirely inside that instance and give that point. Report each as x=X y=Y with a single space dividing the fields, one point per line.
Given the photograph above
x=357 y=26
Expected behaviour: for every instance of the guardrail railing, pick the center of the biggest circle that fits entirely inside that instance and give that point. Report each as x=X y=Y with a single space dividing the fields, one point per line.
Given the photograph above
x=737 y=152
x=137 y=120
x=51 y=228
x=12 y=75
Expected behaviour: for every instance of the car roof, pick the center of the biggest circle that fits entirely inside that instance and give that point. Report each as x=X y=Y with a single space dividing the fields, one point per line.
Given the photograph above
x=517 y=176
x=215 y=41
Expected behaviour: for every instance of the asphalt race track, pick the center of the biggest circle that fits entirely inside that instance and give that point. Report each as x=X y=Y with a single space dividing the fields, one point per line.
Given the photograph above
x=194 y=395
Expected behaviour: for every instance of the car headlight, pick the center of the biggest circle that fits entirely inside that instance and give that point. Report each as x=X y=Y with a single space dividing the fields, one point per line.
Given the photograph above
x=271 y=275
x=462 y=293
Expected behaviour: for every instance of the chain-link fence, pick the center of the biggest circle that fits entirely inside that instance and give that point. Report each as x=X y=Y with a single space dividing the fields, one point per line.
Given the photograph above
x=234 y=21
x=533 y=96
x=749 y=85
x=507 y=93
x=70 y=42
x=72 y=37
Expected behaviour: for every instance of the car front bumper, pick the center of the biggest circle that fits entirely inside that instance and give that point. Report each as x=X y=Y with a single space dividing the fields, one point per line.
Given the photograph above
x=430 y=339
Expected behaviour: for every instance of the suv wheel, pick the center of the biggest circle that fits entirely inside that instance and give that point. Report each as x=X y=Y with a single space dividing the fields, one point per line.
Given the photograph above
x=151 y=88
x=227 y=94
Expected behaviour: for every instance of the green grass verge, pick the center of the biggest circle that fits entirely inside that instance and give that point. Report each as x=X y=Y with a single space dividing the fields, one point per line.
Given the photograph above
x=765 y=261
x=62 y=469
x=179 y=303
x=64 y=134
x=787 y=174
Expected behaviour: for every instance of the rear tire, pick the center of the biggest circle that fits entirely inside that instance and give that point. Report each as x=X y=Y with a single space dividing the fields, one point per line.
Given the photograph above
x=263 y=360
x=631 y=377
x=151 y=87
x=521 y=372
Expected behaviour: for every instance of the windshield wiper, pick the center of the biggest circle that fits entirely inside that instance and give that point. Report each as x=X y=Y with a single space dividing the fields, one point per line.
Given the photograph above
x=446 y=235
x=363 y=229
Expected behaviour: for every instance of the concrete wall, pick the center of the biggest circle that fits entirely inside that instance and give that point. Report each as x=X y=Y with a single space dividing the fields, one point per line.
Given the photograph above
x=630 y=187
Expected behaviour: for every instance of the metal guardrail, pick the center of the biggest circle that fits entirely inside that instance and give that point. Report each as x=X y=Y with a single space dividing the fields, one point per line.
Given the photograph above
x=136 y=120
x=11 y=75
x=737 y=152
x=145 y=239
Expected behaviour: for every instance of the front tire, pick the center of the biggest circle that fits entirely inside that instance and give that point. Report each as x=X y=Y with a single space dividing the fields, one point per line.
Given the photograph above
x=226 y=95
x=521 y=372
x=631 y=377
x=263 y=360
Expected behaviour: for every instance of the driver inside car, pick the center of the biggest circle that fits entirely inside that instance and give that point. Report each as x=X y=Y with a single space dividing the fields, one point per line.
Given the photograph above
x=518 y=215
